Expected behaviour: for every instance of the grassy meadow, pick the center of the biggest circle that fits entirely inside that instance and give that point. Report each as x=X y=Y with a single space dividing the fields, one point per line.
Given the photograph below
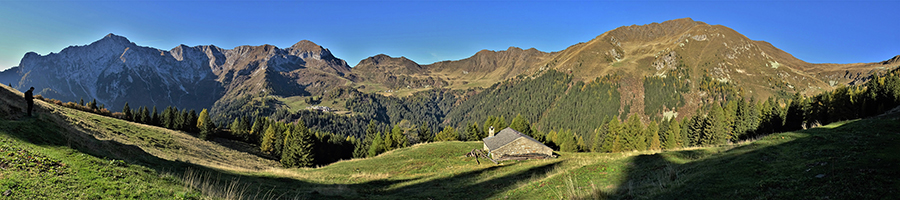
x=63 y=153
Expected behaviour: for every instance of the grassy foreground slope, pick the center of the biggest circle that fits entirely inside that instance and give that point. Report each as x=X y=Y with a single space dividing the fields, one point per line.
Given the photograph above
x=67 y=154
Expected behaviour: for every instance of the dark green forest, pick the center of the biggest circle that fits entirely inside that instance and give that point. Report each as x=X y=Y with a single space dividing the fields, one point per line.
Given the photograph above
x=567 y=115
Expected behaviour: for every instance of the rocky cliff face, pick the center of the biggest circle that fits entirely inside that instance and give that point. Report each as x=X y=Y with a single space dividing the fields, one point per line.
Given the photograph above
x=114 y=70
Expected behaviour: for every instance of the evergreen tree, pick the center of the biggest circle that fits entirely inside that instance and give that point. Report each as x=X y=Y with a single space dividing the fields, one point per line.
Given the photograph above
x=672 y=135
x=127 y=112
x=191 y=120
x=93 y=105
x=181 y=121
x=81 y=102
x=653 y=130
x=267 y=144
x=259 y=126
x=519 y=123
x=635 y=138
x=612 y=139
x=400 y=139
x=567 y=141
x=154 y=118
x=204 y=124
x=473 y=133
x=167 y=118
x=448 y=134
x=377 y=146
x=388 y=140
x=298 y=147
x=715 y=130
x=236 y=128
x=599 y=137
x=145 y=115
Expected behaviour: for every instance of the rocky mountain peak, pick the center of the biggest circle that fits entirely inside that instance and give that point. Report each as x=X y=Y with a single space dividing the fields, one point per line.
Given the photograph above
x=114 y=39
x=895 y=59
x=307 y=49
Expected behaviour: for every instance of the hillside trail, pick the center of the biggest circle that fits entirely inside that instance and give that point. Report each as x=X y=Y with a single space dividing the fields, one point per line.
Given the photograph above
x=100 y=133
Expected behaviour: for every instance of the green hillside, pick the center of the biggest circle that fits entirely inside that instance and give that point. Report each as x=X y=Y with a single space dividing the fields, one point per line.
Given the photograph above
x=67 y=154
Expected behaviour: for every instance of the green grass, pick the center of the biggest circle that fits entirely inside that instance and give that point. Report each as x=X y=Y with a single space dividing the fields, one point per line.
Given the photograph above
x=68 y=154
x=37 y=162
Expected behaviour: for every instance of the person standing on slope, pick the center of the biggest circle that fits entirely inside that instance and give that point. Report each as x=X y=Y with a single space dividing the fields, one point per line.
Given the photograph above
x=29 y=98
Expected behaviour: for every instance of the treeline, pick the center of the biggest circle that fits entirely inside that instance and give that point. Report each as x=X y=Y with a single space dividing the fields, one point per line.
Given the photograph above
x=734 y=120
x=428 y=107
x=293 y=144
x=170 y=118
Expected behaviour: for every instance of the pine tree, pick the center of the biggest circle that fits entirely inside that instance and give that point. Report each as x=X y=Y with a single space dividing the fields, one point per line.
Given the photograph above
x=81 y=102
x=473 y=133
x=519 y=123
x=267 y=144
x=715 y=130
x=400 y=140
x=671 y=136
x=204 y=124
x=567 y=141
x=145 y=115
x=258 y=128
x=93 y=105
x=298 y=147
x=377 y=146
x=634 y=136
x=388 y=140
x=167 y=117
x=154 y=118
x=653 y=130
x=448 y=134
x=191 y=120
x=600 y=135
x=127 y=111
x=236 y=128
x=181 y=123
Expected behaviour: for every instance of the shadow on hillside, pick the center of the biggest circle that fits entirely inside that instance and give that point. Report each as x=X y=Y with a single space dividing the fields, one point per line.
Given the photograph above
x=476 y=184
x=857 y=160
x=473 y=184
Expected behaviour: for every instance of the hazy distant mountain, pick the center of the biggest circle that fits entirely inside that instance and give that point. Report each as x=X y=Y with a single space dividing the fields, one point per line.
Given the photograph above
x=114 y=70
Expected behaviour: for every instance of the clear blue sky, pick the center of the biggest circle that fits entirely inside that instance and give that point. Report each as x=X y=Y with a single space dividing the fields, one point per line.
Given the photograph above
x=430 y=31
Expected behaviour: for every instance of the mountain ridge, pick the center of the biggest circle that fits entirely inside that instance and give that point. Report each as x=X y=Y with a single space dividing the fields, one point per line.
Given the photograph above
x=114 y=70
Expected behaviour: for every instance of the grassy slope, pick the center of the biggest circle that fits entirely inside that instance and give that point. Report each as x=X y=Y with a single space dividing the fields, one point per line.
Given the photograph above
x=80 y=155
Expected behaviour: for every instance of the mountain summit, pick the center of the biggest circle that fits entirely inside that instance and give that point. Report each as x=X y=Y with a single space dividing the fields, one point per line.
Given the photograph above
x=114 y=70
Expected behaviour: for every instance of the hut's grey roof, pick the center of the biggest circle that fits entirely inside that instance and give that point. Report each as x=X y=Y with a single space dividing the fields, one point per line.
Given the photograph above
x=504 y=137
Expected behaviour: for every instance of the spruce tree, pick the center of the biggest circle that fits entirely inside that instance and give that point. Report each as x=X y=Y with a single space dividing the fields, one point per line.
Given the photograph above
x=615 y=142
x=716 y=127
x=267 y=144
x=127 y=111
x=600 y=135
x=400 y=140
x=205 y=125
x=653 y=130
x=167 y=117
x=377 y=146
x=93 y=105
x=154 y=118
x=519 y=123
x=298 y=147
x=448 y=134
x=672 y=133
x=145 y=115
x=635 y=138
x=567 y=141
x=191 y=120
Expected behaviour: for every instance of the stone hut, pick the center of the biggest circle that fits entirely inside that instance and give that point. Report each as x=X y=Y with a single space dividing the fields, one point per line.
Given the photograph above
x=512 y=144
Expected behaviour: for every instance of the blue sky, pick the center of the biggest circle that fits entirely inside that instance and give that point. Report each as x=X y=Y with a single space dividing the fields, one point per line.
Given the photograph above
x=430 y=31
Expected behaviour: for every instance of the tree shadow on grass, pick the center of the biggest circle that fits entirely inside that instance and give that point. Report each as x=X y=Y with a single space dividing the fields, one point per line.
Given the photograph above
x=857 y=160
x=476 y=184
